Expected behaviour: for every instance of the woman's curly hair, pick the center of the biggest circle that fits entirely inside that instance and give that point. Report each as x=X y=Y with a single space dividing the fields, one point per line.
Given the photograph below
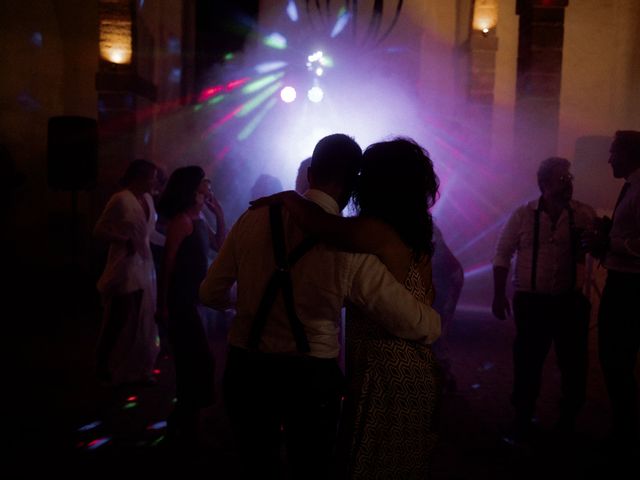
x=398 y=185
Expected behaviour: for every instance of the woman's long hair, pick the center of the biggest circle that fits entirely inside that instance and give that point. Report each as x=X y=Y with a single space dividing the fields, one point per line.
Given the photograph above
x=180 y=192
x=398 y=185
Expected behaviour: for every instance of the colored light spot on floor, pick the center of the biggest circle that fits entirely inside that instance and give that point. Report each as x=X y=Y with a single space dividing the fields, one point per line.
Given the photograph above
x=98 y=442
x=158 y=425
x=90 y=426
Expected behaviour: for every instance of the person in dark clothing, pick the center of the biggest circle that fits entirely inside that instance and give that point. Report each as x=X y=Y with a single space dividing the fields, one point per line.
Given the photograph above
x=448 y=280
x=188 y=240
x=618 y=246
x=548 y=305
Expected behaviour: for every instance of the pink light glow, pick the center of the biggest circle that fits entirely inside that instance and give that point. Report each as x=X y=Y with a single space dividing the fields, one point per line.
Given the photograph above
x=221 y=121
x=236 y=83
x=222 y=153
x=209 y=92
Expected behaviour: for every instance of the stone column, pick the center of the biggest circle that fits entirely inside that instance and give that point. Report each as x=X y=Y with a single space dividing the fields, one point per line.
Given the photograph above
x=124 y=98
x=482 y=69
x=539 y=78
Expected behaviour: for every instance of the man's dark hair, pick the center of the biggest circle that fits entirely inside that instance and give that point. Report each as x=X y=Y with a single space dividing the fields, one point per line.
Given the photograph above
x=628 y=141
x=546 y=168
x=336 y=158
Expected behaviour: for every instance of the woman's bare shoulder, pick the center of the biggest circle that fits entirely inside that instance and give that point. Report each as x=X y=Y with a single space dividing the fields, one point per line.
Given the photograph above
x=180 y=223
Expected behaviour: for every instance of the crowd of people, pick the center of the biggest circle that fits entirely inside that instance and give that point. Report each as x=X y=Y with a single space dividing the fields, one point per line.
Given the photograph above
x=292 y=262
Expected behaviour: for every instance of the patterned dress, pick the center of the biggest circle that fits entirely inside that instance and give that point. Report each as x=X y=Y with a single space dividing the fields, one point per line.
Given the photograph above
x=394 y=394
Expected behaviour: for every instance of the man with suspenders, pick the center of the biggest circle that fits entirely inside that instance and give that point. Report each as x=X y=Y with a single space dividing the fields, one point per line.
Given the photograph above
x=548 y=306
x=282 y=378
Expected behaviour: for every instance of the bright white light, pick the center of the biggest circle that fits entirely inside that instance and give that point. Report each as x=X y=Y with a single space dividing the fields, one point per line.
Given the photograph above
x=315 y=57
x=288 y=94
x=326 y=61
x=319 y=71
x=485 y=30
x=315 y=94
x=117 y=55
x=292 y=11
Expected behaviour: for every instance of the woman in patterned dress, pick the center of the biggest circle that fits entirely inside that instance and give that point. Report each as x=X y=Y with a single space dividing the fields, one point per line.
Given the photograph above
x=394 y=384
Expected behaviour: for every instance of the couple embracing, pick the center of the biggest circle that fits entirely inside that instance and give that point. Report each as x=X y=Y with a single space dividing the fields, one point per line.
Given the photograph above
x=295 y=265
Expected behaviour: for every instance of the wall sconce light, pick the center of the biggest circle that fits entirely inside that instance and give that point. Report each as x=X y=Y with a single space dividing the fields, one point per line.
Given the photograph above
x=485 y=16
x=115 y=31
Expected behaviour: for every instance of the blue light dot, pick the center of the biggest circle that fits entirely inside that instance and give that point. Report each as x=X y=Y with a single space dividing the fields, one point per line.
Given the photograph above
x=175 y=75
x=36 y=39
x=173 y=45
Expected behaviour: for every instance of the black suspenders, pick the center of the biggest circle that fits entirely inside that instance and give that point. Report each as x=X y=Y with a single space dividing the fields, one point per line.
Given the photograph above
x=281 y=280
x=575 y=241
x=536 y=245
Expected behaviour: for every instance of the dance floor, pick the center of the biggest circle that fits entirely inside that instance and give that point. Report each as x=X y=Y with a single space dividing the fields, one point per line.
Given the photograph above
x=63 y=420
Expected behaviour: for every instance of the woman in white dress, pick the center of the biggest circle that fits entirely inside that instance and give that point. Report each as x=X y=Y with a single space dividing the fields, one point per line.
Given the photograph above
x=128 y=343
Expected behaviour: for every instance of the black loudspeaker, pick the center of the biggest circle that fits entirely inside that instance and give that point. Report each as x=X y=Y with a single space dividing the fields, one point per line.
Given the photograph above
x=72 y=153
